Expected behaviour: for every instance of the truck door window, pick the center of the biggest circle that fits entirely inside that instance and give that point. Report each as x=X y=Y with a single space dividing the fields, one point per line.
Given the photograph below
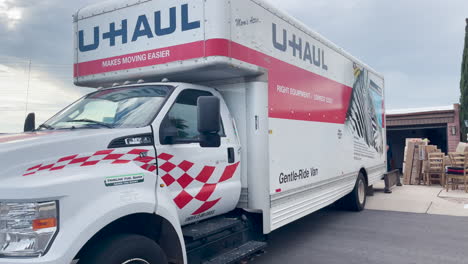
x=184 y=117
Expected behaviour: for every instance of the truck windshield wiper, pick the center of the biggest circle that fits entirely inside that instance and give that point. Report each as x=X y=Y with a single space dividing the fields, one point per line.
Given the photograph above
x=92 y=121
x=46 y=127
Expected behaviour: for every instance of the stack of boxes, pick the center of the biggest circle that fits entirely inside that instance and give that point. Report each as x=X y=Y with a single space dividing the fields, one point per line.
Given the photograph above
x=416 y=160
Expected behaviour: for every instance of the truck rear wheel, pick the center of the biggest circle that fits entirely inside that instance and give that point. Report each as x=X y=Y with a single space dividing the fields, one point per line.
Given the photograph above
x=125 y=249
x=356 y=200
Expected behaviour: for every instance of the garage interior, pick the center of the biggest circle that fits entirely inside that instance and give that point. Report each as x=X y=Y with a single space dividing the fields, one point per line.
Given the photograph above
x=440 y=125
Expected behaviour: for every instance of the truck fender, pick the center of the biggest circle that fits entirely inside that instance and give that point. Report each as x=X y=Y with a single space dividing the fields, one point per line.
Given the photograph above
x=87 y=233
x=167 y=210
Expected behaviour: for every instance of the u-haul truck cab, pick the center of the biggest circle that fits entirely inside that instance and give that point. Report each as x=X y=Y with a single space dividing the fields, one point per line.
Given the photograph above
x=266 y=122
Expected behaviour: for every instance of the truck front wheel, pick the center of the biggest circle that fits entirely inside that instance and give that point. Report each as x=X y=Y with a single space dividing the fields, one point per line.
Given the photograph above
x=125 y=249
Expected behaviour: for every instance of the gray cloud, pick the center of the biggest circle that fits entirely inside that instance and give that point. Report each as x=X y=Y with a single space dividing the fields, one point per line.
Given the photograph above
x=416 y=44
x=45 y=32
x=44 y=38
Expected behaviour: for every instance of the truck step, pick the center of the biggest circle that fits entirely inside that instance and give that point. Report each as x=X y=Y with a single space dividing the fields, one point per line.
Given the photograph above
x=239 y=253
x=209 y=227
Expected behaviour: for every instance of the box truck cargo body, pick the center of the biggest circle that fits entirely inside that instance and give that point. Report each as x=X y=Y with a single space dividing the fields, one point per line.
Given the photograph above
x=263 y=122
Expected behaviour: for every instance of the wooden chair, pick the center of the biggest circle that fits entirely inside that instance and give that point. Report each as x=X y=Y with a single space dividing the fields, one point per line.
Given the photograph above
x=435 y=170
x=456 y=174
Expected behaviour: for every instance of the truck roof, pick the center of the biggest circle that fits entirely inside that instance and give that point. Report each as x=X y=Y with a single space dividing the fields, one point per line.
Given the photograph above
x=104 y=7
x=168 y=83
x=93 y=13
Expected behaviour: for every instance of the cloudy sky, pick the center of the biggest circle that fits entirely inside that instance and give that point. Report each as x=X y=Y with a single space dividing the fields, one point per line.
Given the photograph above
x=416 y=44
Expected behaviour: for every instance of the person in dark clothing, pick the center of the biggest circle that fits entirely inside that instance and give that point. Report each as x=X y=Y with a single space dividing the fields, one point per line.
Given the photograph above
x=389 y=157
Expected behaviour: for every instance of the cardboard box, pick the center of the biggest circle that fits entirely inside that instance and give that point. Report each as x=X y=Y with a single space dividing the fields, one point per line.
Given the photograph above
x=415 y=154
x=462 y=147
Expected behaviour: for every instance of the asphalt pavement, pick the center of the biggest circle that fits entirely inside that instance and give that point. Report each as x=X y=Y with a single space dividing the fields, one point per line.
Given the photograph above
x=331 y=236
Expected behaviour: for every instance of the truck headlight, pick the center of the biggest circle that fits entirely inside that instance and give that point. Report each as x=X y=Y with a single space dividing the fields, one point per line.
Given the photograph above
x=27 y=229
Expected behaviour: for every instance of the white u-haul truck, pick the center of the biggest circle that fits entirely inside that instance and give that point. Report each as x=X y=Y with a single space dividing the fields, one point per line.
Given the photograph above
x=265 y=123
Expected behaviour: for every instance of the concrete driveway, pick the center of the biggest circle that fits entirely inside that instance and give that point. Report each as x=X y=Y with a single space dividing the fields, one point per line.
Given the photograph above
x=414 y=224
x=420 y=199
x=374 y=237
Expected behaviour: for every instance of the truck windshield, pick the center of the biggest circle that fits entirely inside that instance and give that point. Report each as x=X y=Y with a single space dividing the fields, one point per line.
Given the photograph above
x=134 y=106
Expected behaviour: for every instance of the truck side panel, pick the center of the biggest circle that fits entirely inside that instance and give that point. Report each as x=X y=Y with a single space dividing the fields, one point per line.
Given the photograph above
x=325 y=113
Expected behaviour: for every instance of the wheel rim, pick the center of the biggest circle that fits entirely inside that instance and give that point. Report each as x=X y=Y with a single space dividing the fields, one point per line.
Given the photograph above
x=136 y=261
x=361 y=192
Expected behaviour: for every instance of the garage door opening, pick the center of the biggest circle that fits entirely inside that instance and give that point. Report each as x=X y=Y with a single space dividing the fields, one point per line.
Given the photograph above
x=396 y=137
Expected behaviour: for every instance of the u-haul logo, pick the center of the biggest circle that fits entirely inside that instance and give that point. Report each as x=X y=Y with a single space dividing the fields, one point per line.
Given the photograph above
x=88 y=41
x=305 y=51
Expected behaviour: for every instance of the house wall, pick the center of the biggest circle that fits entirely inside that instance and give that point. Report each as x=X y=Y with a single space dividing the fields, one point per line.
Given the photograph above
x=442 y=127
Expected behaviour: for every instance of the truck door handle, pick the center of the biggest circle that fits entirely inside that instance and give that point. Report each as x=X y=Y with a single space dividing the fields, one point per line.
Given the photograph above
x=231 y=156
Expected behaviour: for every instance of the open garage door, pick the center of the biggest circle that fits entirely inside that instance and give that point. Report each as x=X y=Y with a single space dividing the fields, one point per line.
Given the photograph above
x=396 y=136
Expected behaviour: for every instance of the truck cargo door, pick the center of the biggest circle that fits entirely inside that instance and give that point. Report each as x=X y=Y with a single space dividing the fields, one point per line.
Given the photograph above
x=203 y=182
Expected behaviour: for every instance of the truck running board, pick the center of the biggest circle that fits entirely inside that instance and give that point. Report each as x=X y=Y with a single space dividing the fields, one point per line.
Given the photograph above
x=239 y=253
x=223 y=239
x=209 y=227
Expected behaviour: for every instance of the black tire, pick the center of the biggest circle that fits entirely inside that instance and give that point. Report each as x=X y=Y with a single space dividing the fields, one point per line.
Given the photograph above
x=356 y=200
x=125 y=248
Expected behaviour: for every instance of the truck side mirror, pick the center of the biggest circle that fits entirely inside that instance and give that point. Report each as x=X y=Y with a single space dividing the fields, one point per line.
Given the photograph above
x=209 y=121
x=30 y=123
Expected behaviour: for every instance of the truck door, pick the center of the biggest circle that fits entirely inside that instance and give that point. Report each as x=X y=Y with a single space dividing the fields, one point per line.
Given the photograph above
x=202 y=182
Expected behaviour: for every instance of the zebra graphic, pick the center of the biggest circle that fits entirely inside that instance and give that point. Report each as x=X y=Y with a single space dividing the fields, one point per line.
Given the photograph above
x=362 y=116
